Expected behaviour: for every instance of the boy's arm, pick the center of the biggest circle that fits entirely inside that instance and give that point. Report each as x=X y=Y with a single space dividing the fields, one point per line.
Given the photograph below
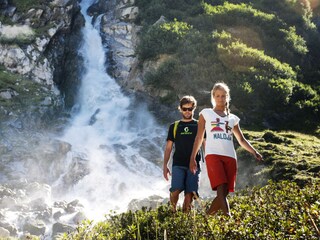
x=166 y=158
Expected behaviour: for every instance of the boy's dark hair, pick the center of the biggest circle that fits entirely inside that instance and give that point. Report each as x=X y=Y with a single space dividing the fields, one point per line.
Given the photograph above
x=187 y=99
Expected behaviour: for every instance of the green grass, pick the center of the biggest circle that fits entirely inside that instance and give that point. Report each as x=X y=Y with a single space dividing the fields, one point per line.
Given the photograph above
x=287 y=156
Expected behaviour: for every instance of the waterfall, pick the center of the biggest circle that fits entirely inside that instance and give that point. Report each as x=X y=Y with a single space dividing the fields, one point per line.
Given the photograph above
x=117 y=139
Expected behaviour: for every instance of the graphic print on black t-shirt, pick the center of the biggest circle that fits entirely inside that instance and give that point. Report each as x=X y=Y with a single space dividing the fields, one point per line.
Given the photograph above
x=185 y=136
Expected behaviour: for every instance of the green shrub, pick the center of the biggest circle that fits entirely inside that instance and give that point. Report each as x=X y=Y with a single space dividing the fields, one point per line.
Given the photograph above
x=262 y=49
x=25 y=5
x=276 y=211
x=151 y=11
x=269 y=26
x=162 y=38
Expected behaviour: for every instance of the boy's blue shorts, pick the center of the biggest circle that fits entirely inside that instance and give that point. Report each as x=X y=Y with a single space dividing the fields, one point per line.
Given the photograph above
x=184 y=180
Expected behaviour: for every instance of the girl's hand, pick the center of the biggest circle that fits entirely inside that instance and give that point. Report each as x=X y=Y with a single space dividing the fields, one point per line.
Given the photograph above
x=258 y=156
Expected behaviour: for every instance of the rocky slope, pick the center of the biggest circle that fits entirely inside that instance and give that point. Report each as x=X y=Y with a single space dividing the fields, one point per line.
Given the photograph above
x=39 y=78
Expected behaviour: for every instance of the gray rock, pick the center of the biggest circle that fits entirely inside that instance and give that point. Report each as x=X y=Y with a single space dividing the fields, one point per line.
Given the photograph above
x=74 y=206
x=57 y=215
x=151 y=202
x=11 y=228
x=8 y=94
x=4 y=233
x=79 y=217
x=59 y=228
x=128 y=14
x=34 y=227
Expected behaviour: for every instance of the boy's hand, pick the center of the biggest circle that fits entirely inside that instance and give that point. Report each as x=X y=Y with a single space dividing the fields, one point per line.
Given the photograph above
x=166 y=172
x=193 y=166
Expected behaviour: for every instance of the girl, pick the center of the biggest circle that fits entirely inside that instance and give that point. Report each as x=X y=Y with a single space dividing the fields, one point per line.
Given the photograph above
x=220 y=126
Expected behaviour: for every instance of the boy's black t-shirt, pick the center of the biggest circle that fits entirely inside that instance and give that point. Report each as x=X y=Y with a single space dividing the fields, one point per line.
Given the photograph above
x=185 y=136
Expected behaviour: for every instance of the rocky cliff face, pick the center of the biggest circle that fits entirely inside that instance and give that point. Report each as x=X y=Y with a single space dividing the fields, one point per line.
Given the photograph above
x=24 y=44
x=39 y=76
x=35 y=49
x=120 y=34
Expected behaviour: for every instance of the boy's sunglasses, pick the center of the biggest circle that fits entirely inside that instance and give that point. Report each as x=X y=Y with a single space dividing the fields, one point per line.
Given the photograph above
x=187 y=109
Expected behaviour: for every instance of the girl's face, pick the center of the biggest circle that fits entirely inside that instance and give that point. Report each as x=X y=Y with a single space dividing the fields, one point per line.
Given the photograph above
x=220 y=97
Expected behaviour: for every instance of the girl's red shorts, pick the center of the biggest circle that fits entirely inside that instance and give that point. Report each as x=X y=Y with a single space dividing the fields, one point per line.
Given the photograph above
x=221 y=169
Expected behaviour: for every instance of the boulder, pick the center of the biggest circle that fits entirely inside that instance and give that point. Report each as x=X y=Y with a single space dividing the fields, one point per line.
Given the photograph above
x=79 y=217
x=59 y=228
x=4 y=233
x=151 y=202
x=34 y=227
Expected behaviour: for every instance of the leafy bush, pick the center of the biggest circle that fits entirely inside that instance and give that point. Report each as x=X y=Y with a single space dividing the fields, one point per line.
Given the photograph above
x=162 y=38
x=279 y=40
x=151 y=11
x=277 y=211
x=25 y=5
x=260 y=56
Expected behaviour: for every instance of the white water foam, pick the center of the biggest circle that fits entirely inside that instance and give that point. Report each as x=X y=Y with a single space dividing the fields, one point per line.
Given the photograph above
x=111 y=134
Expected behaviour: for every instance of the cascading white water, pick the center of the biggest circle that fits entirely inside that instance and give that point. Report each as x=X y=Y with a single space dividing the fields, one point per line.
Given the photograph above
x=111 y=133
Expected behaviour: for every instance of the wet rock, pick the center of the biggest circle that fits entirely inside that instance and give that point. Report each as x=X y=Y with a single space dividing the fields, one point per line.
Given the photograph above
x=59 y=228
x=38 y=204
x=57 y=215
x=47 y=101
x=45 y=215
x=15 y=123
x=37 y=190
x=60 y=3
x=149 y=150
x=8 y=94
x=151 y=202
x=78 y=169
x=5 y=192
x=79 y=217
x=74 y=206
x=4 y=233
x=34 y=227
x=60 y=204
x=8 y=202
x=11 y=228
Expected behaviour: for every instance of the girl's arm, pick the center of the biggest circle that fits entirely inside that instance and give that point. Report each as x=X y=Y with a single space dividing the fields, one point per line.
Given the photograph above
x=245 y=144
x=197 y=144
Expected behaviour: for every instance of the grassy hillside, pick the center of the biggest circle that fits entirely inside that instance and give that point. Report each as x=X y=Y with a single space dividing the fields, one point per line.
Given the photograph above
x=267 y=51
x=287 y=156
x=285 y=207
x=275 y=199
